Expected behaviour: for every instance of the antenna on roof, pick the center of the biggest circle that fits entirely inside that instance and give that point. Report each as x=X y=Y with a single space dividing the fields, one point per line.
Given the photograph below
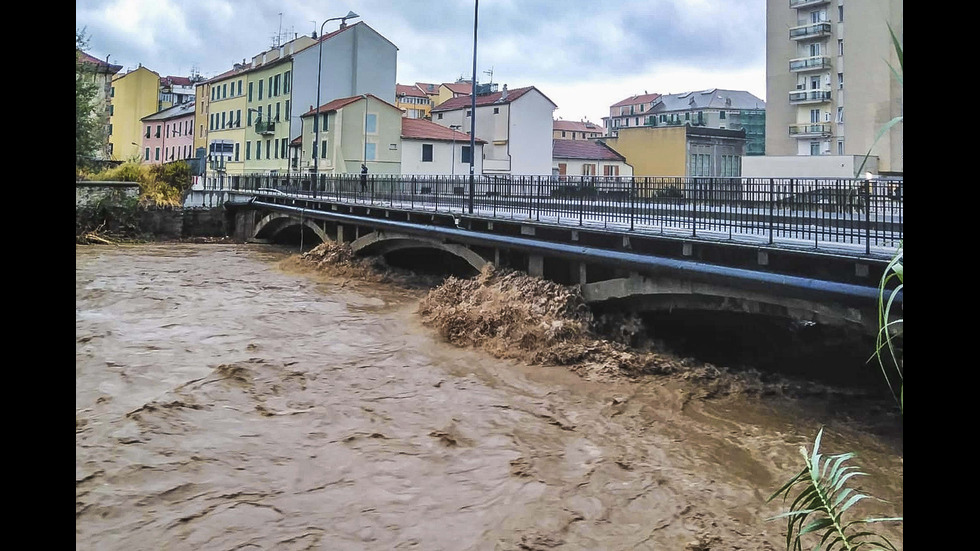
x=490 y=73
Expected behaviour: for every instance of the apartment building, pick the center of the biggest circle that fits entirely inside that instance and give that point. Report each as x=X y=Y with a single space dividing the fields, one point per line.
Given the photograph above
x=828 y=82
x=413 y=102
x=134 y=95
x=712 y=108
x=577 y=130
x=516 y=124
x=101 y=73
x=169 y=135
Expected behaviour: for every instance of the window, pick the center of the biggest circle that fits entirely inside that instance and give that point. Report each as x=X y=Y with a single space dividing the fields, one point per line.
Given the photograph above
x=286 y=82
x=275 y=149
x=249 y=122
x=278 y=77
x=840 y=81
x=248 y=151
x=323 y=149
x=287 y=110
x=371 y=124
x=563 y=134
x=588 y=169
x=687 y=116
x=840 y=46
x=840 y=147
x=840 y=114
x=467 y=112
x=268 y=149
x=426 y=153
x=147 y=131
x=258 y=150
x=260 y=89
x=110 y=129
x=112 y=92
x=465 y=154
x=369 y=151
x=814 y=148
x=249 y=91
x=496 y=110
x=111 y=109
x=270 y=86
x=282 y=148
x=156 y=154
x=840 y=13
x=277 y=110
x=814 y=50
x=239 y=87
x=158 y=131
x=562 y=169
x=324 y=122
x=610 y=170
x=721 y=115
x=238 y=118
x=440 y=116
x=814 y=115
x=222 y=119
x=146 y=156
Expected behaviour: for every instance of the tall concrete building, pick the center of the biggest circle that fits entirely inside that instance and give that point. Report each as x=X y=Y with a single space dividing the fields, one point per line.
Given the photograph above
x=829 y=88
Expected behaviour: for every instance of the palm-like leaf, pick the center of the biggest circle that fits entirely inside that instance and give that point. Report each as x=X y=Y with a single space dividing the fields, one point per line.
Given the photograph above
x=823 y=499
x=889 y=328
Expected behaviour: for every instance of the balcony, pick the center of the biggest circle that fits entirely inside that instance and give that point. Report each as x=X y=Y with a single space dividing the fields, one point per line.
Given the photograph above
x=265 y=127
x=796 y=4
x=815 y=63
x=812 y=30
x=810 y=130
x=797 y=97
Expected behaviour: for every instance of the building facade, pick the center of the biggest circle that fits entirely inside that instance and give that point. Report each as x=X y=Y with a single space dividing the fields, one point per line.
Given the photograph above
x=587 y=158
x=684 y=151
x=577 y=130
x=134 y=96
x=101 y=73
x=169 y=135
x=430 y=148
x=516 y=124
x=412 y=101
x=713 y=108
x=354 y=130
x=828 y=82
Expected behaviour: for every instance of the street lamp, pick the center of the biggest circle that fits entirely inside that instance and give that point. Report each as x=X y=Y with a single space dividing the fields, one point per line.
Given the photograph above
x=452 y=157
x=319 y=65
x=476 y=14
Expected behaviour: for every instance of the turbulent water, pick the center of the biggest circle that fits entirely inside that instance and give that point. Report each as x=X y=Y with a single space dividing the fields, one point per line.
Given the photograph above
x=225 y=400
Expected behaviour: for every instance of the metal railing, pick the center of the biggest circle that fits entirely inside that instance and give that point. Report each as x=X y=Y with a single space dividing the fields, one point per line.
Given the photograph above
x=813 y=212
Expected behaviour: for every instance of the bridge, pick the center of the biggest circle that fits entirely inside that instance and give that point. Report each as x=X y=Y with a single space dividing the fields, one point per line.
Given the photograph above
x=810 y=250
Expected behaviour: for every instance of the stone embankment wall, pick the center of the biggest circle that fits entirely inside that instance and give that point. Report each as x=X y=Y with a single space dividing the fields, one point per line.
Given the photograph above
x=163 y=222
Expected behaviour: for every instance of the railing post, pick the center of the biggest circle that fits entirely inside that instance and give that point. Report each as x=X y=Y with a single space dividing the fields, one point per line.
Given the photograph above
x=581 y=200
x=867 y=216
x=694 y=208
x=772 y=204
x=632 y=200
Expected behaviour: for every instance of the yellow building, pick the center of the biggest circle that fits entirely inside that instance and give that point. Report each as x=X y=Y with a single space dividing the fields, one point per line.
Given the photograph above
x=413 y=102
x=269 y=110
x=134 y=96
x=220 y=117
x=354 y=130
x=448 y=91
x=681 y=151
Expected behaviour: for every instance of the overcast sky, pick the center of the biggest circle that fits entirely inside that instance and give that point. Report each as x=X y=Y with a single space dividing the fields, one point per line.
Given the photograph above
x=583 y=54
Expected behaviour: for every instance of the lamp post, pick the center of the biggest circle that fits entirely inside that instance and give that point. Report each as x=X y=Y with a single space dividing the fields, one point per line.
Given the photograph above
x=452 y=157
x=476 y=13
x=319 y=65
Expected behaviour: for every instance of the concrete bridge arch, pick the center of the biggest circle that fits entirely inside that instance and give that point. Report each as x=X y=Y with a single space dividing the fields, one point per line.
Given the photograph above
x=382 y=242
x=274 y=223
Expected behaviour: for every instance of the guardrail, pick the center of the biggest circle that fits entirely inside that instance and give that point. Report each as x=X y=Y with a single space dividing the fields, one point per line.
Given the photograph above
x=819 y=211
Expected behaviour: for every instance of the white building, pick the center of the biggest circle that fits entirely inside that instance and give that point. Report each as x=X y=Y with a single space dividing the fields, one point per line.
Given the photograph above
x=429 y=148
x=516 y=124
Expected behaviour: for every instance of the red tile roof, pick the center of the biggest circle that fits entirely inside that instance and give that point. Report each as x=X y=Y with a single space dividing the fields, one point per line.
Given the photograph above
x=178 y=81
x=576 y=126
x=421 y=129
x=583 y=149
x=100 y=64
x=645 y=98
x=298 y=141
x=428 y=88
x=459 y=87
x=488 y=99
x=339 y=103
x=408 y=90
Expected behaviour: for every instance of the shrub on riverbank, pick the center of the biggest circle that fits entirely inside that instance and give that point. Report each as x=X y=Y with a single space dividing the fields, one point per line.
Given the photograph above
x=162 y=185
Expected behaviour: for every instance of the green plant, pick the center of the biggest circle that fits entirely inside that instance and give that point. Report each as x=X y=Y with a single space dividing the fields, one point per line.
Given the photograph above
x=823 y=499
x=890 y=329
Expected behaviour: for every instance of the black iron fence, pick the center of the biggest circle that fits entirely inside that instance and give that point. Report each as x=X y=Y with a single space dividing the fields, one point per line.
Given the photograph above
x=813 y=210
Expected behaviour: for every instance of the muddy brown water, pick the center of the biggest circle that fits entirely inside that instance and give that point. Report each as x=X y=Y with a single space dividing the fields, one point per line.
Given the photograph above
x=225 y=402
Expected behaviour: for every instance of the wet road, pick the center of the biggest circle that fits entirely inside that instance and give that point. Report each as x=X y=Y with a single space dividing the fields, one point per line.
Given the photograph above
x=224 y=401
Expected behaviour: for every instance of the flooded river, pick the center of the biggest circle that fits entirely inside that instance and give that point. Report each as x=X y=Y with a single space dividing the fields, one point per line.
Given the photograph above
x=223 y=401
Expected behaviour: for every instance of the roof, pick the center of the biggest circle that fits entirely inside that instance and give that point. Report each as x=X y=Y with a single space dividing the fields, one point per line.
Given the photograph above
x=421 y=129
x=459 y=87
x=488 y=99
x=100 y=65
x=178 y=81
x=340 y=103
x=709 y=99
x=186 y=108
x=584 y=149
x=578 y=126
x=408 y=90
x=297 y=141
x=428 y=87
x=644 y=98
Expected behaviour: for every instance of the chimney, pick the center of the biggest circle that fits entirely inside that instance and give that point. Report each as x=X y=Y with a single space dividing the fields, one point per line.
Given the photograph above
x=503 y=95
x=343 y=24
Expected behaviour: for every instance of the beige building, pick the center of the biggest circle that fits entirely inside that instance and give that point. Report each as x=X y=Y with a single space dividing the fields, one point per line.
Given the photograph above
x=829 y=88
x=355 y=130
x=577 y=130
